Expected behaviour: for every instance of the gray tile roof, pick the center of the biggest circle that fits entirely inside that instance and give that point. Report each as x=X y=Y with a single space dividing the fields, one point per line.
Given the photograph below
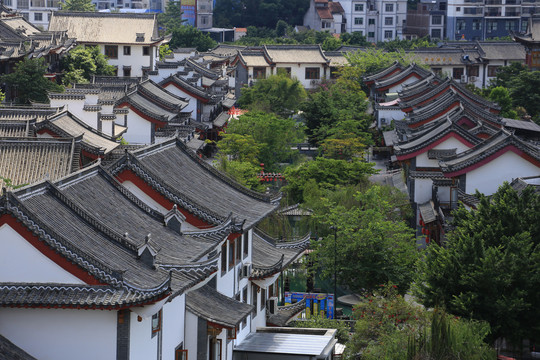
x=10 y=351
x=270 y=257
x=176 y=169
x=207 y=303
x=489 y=147
x=26 y=160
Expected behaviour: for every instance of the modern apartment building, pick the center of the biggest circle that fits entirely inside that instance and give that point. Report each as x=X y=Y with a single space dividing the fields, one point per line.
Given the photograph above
x=487 y=19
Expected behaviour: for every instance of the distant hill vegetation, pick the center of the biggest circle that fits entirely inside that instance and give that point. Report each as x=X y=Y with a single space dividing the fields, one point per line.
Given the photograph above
x=259 y=13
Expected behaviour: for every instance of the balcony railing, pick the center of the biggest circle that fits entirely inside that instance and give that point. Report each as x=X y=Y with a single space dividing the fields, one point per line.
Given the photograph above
x=493 y=13
x=493 y=2
x=513 y=13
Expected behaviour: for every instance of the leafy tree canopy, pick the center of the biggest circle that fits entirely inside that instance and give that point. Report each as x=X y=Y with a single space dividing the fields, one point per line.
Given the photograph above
x=370 y=243
x=78 y=5
x=81 y=63
x=29 y=82
x=190 y=37
x=278 y=93
x=501 y=96
x=390 y=327
x=172 y=17
x=323 y=173
x=490 y=267
x=273 y=134
x=332 y=109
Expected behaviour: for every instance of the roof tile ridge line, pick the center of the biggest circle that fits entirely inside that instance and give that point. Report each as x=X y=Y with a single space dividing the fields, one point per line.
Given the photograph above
x=223 y=177
x=428 y=94
x=68 y=287
x=268 y=270
x=147 y=94
x=203 y=69
x=486 y=143
x=160 y=88
x=189 y=86
x=303 y=242
x=208 y=264
x=75 y=206
x=92 y=148
x=93 y=265
x=144 y=110
x=130 y=196
x=420 y=114
x=159 y=185
x=225 y=227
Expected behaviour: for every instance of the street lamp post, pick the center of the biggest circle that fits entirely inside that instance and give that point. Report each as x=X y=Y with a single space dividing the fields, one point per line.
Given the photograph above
x=335 y=269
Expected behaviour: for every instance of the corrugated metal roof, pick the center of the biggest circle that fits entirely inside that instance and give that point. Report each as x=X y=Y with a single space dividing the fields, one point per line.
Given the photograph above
x=280 y=343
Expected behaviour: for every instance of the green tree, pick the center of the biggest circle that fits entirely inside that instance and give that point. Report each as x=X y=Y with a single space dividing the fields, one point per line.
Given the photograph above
x=29 y=82
x=78 y=5
x=81 y=63
x=240 y=147
x=277 y=93
x=332 y=104
x=281 y=28
x=524 y=91
x=501 y=96
x=331 y=44
x=274 y=135
x=318 y=321
x=164 y=50
x=172 y=17
x=355 y=38
x=370 y=244
x=323 y=173
x=390 y=327
x=505 y=74
x=190 y=37
x=490 y=267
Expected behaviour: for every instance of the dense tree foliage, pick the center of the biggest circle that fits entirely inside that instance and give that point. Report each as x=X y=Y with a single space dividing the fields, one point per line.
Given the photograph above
x=172 y=17
x=260 y=13
x=490 y=267
x=78 y=5
x=322 y=174
x=29 y=83
x=83 y=62
x=501 y=96
x=190 y=37
x=336 y=111
x=370 y=243
x=279 y=94
x=390 y=327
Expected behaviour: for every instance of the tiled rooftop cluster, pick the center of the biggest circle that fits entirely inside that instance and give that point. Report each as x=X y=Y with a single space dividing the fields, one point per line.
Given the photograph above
x=450 y=142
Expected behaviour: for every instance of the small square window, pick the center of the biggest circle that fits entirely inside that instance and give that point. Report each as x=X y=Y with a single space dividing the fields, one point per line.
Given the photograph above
x=358 y=21
x=146 y=50
x=358 y=7
x=371 y=34
x=371 y=21
x=389 y=7
x=127 y=50
x=38 y=17
x=312 y=73
x=388 y=34
x=388 y=21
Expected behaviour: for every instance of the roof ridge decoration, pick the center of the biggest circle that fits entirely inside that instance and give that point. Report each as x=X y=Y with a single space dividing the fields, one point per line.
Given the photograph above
x=396 y=65
x=226 y=227
x=263 y=197
x=130 y=162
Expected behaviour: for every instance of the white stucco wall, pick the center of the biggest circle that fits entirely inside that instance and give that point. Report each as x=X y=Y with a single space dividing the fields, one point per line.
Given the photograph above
x=192 y=102
x=139 y=129
x=22 y=262
x=422 y=159
x=142 y=346
x=388 y=115
x=136 y=60
x=76 y=108
x=506 y=167
x=190 y=338
x=58 y=334
x=422 y=190
x=173 y=326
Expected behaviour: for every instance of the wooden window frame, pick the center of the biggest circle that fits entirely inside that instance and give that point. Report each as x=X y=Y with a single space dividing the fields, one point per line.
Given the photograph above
x=231 y=333
x=245 y=250
x=146 y=50
x=111 y=51
x=313 y=73
x=180 y=354
x=157 y=328
x=127 y=50
x=232 y=254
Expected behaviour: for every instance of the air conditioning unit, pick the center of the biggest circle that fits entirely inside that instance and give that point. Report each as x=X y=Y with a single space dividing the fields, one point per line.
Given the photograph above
x=383 y=120
x=246 y=270
x=464 y=78
x=472 y=79
x=272 y=305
